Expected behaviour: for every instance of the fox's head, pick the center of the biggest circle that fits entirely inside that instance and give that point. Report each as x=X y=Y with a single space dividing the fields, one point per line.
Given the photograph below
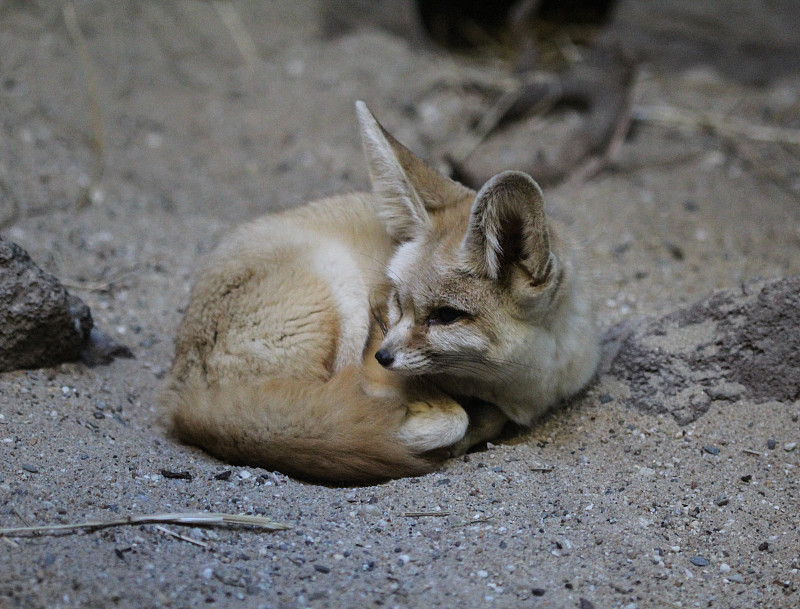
x=475 y=276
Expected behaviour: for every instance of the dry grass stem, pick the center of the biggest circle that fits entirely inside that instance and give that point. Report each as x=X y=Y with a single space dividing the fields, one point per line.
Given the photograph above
x=6 y=194
x=97 y=286
x=93 y=94
x=728 y=126
x=467 y=523
x=424 y=514
x=166 y=531
x=511 y=91
x=188 y=519
x=227 y=13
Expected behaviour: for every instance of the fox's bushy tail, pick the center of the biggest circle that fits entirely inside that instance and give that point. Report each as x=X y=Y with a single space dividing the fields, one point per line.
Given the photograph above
x=327 y=431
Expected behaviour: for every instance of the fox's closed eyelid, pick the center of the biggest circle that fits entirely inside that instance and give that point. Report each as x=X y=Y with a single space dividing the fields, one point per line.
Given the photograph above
x=397 y=302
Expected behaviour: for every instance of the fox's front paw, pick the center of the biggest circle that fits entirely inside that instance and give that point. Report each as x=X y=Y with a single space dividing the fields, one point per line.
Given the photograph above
x=433 y=424
x=486 y=421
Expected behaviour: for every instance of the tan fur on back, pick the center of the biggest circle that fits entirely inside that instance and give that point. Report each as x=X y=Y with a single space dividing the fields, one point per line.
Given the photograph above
x=268 y=358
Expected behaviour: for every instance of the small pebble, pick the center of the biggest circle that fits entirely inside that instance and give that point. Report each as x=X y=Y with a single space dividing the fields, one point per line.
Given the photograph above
x=483 y=574
x=30 y=468
x=721 y=500
x=699 y=561
x=676 y=251
x=322 y=569
x=372 y=510
x=771 y=443
x=176 y=475
x=538 y=591
x=647 y=472
x=790 y=447
x=711 y=450
x=746 y=478
x=763 y=546
x=736 y=578
x=724 y=568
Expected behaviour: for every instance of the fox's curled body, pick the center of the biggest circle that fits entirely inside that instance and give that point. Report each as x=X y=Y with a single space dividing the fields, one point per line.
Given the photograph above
x=467 y=298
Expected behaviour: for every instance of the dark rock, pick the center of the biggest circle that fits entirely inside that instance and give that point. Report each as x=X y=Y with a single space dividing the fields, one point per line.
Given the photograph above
x=41 y=324
x=742 y=344
x=699 y=561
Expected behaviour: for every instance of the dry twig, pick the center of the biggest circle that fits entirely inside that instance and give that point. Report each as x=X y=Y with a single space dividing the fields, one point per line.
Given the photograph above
x=187 y=519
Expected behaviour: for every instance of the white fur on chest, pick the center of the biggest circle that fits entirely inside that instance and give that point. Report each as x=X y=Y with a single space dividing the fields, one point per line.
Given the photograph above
x=338 y=266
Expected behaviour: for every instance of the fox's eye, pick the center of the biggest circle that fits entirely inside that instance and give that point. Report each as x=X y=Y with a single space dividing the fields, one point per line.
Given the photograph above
x=444 y=316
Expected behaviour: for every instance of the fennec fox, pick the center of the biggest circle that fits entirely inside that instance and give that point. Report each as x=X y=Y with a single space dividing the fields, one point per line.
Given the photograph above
x=368 y=336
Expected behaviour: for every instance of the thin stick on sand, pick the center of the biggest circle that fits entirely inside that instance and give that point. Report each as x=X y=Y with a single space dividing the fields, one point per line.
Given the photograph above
x=188 y=519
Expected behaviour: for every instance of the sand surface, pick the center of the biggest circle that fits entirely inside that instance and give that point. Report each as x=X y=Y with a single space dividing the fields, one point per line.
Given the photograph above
x=601 y=505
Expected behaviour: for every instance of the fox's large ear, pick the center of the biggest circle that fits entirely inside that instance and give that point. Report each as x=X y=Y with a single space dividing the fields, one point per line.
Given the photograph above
x=406 y=187
x=507 y=226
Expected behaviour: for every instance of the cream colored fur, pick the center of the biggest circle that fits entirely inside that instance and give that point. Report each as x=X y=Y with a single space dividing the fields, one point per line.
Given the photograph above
x=275 y=358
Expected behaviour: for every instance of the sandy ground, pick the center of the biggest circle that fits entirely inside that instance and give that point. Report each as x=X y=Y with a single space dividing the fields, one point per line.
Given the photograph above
x=602 y=505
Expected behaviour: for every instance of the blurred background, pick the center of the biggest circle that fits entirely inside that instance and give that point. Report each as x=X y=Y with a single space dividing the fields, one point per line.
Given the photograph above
x=666 y=132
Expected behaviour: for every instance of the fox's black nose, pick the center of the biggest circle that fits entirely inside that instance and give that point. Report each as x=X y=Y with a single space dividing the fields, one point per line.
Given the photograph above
x=385 y=357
